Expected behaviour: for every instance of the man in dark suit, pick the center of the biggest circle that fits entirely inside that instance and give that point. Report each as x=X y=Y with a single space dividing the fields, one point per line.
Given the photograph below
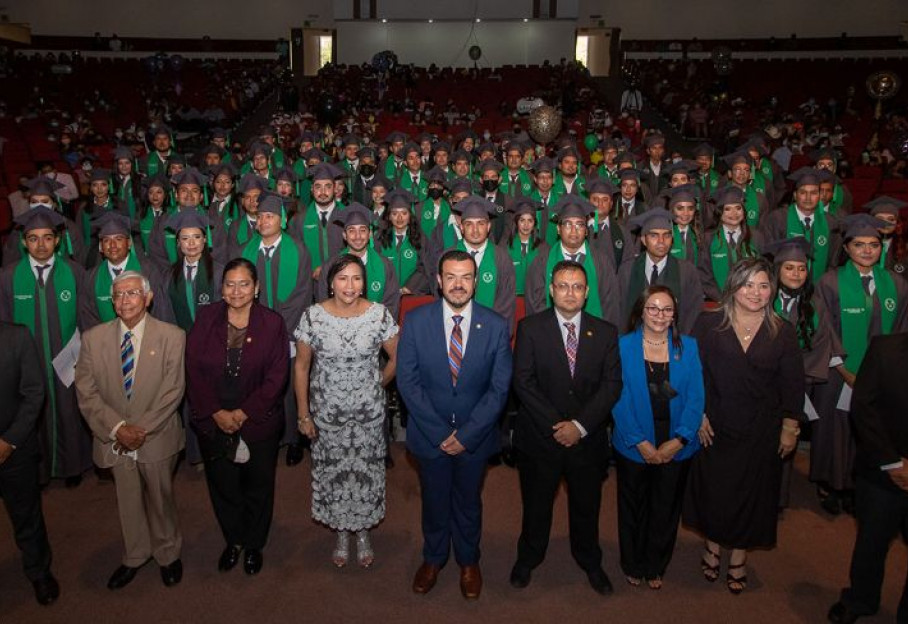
x=453 y=371
x=881 y=485
x=567 y=376
x=22 y=394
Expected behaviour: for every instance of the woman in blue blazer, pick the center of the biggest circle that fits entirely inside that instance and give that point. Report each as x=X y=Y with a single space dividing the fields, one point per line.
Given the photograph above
x=656 y=422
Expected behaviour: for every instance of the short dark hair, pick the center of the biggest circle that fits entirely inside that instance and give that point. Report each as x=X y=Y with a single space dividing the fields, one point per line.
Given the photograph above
x=241 y=263
x=455 y=255
x=342 y=262
x=569 y=265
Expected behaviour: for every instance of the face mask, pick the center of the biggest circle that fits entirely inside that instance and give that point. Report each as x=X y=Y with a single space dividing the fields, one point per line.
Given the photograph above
x=86 y=166
x=486 y=136
x=48 y=206
x=23 y=188
x=435 y=193
x=489 y=186
x=367 y=170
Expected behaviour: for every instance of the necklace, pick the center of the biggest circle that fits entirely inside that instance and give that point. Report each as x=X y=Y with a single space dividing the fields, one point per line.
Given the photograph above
x=654 y=343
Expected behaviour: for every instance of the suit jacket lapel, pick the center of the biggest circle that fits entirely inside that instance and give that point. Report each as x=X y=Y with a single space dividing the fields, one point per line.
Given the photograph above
x=556 y=345
x=585 y=342
x=476 y=341
x=111 y=356
x=437 y=328
x=148 y=363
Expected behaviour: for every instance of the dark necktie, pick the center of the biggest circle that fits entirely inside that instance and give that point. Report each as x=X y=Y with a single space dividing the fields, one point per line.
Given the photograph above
x=323 y=217
x=268 y=251
x=786 y=302
x=474 y=253
x=116 y=271
x=41 y=268
x=628 y=207
x=524 y=248
x=866 y=281
x=807 y=222
x=400 y=240
x=455 y=348
x=731 y=239
x=654 y=275
x=189 y=270
x=570 y=346
x=415 y=181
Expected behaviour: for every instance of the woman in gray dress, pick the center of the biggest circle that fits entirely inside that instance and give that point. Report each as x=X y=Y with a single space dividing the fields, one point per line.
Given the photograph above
x=341 y=399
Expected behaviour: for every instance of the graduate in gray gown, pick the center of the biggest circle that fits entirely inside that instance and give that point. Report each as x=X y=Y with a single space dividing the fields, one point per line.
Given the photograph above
x=42 y=191
x=41 y=291
x=656 y=265
x=605 y=232
x=864 y=300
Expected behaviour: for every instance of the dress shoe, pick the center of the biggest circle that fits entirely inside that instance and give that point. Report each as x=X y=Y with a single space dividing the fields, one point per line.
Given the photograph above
x=600 y=582
x=520 y=576
x=425 y=578
x=294 y=454
x=73 y=482
x=839 y=613
x=470 y=581
x=122 y=576
x=172 y=574
x=252 y=562
x=47 y=590
x=229 y=558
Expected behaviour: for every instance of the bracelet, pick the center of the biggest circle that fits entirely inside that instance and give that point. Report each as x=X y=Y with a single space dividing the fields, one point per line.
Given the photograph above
x=303 y=420
x=794 y=430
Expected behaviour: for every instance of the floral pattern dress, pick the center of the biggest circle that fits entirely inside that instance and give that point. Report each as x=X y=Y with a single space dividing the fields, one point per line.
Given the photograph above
x=347 y=404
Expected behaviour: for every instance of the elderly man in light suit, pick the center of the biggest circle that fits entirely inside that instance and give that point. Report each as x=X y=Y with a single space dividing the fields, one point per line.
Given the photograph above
x=129 y=382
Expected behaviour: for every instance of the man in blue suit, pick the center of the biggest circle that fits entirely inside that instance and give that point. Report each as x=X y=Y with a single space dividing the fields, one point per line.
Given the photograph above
x=453 y=371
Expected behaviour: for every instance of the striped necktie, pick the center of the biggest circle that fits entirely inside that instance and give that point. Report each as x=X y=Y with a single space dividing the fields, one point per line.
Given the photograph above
x=128 y=363
x=455 y=348
x=570 y=346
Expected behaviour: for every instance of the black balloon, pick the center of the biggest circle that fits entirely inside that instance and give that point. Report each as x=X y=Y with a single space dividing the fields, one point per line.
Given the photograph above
x=475 y=52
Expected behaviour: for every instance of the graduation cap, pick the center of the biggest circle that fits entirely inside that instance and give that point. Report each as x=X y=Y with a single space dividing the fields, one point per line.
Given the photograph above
x=461 y=155
x=608 y=144
x=806 y=176
x=223 y=169
x=159 y=130
x=112 y=223
x=826 y=153
x=522 y=204
x=629 y=174
x=219 y=133
x=42 y=185
x=704 y=149
x=682 y=166
x=438 y=175
x=211 y=148
x=461 y=185
x=190 y=175
x=325 y=171
x=40 y=217
x=653 y=139
x=424 y=136
x=287 y=174
x=380 y=180
x=307 y=136
x=187 y=219
x=795 y=249
x=885 y=204
x=572 y=206
x=490 y=165
x=260 y=147
x=600 y=185
x=396 y=137
x=176 y=159
x=441 y=146
x=100 y=175
x=568 y=151
x=486 y=147
x=626 y=157
x=757 y=143
x=737 y=158
x=411 y=148
x=400 y=198
x=542 y=165
x=864 y=224
x=655 y=219
x=467 y=134
x=271 y=202
x=476 y=208
x=516 y=145
x=682 y=194
x=366 y=152
x=351 y=139
x=122 y=153
x=250 y=182
x=727 y=195
x=354 y=214
x=314 y=152
x=267 y=131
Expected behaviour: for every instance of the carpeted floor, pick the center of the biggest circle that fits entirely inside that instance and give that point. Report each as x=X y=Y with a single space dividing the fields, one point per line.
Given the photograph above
x=796 y=582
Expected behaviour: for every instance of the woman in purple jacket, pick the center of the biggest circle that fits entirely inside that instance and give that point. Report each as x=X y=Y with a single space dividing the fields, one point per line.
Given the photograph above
x=237 y=368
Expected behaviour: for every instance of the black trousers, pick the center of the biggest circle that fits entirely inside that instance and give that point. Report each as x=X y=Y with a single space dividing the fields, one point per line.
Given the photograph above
x=649 y=511
x=242 y=495
x=539 y=482
x=22 y=499
x=882 y=513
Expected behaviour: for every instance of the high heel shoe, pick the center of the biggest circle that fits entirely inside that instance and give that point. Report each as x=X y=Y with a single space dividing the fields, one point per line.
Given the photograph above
x=342 y=549
x=364 y=553
x=710 y=572
x=736 y=584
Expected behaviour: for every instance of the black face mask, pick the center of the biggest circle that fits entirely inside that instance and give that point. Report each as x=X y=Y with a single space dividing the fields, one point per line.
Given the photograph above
x=436 y=193
x=490 y=186
x=367 y=171
x=23 y=188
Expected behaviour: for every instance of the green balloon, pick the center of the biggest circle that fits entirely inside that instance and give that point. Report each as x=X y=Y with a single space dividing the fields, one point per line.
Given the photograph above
x=591 y=142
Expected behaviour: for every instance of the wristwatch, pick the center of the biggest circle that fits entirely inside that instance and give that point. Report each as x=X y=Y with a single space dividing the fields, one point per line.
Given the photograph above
x=681 y=440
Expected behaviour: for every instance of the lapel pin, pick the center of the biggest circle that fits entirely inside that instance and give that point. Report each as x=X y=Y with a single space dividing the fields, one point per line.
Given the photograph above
x=248 y=339
x=589 y=333
x=151 y=352
x=478 y=325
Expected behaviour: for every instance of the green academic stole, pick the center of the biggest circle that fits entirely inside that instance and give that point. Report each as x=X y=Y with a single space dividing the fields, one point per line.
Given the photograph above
x=593 y=305
x=751 y=206
x=722 y=257
x=449 y=236
x=615 y=234
x=422 y=188
x=404 y=258
x=392 y=169
x=186 y=299
x=287 y=270
x=671 y=277
x=551 y=228
x=521 y=261
x=427 y=220
x=65 y=250
x=818 y=237
x=605 y=174
x=244 y=232
x=561 y=188
x=87 y=216
x=856 y=307
x=838 y=196
x=170 y=239
x=103 y=283
x=814 y=320
x=766 y=170
x=710 y=181
x=374 y=289
x=229 y=213
x=758 y=180
x=486 y=276
x=154 y=165
x=25 y=287
x=126 y=196
x=679 y=249
x=315 y=237
x=146 y=225
x=524 y=182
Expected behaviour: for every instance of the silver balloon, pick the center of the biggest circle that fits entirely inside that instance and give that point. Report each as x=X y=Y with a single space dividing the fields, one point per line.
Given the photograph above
x=544 y=124
x=883 y=85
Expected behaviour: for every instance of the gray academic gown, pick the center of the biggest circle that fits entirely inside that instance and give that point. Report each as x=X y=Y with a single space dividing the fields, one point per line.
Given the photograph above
x=775 y=228
x=832 y=445
x=335 y=234
x=690 y=298
x=537 y=295
x=390 y=298
x=89 y=314
x=157 y=249
x=14 y=248
x=711 y=288
x=618 y=243
x=64 y=437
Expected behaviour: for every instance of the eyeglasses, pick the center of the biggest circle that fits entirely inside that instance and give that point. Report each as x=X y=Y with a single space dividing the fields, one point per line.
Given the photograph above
x=573 y=225
x=656 y=310
x=563 y=288
x=861 y=246
x=244 y=285
x=128 y=294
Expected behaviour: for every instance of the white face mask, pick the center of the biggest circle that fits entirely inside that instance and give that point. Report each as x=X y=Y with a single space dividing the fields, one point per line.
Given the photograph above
x=86 y=166
x=48 y=206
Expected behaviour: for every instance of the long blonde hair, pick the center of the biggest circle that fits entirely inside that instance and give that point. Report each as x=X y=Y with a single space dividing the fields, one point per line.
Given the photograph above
x=738 y=277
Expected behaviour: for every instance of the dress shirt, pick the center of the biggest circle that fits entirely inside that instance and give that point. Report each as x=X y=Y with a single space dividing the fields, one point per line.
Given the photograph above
x=564 y=336
x=35 y=264
x=467 y=314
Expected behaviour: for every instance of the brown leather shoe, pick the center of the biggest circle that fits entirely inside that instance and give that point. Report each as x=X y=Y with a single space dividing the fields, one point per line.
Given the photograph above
x=470 y=581
x=425 y=578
